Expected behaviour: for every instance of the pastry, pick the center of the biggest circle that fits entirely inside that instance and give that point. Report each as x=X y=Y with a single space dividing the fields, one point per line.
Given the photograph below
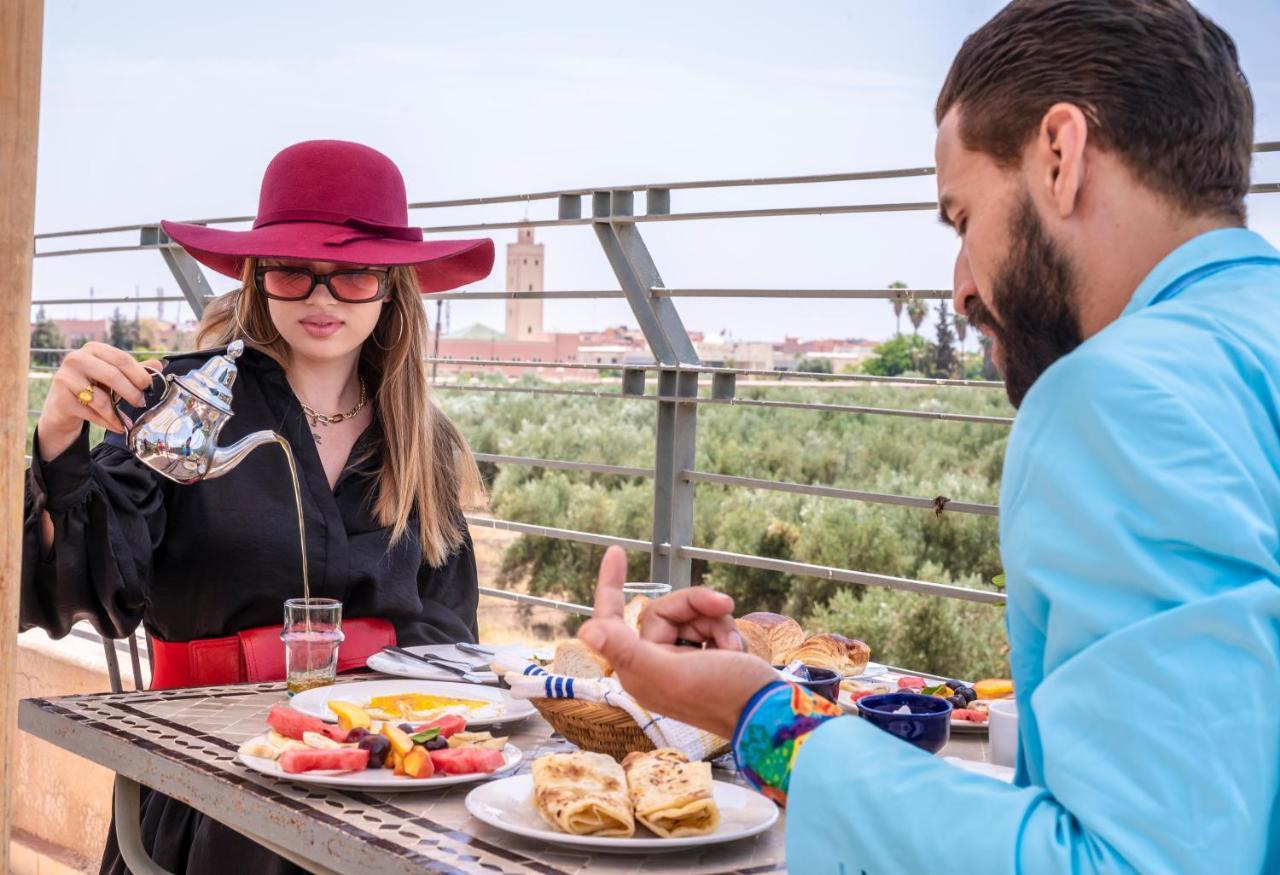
x=671 y=796
x=583 y=794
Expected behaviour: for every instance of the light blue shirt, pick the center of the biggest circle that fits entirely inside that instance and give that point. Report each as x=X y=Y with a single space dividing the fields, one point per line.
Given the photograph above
x=1138 y=529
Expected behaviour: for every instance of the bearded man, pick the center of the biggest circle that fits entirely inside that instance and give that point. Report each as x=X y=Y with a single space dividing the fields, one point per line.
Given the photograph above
x=1093 y=156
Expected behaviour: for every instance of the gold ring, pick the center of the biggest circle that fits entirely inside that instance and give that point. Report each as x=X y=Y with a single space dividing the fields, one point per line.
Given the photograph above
x=85 y=395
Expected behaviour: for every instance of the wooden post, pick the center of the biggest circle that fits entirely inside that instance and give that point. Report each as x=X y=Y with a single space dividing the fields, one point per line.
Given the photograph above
x=21 y=30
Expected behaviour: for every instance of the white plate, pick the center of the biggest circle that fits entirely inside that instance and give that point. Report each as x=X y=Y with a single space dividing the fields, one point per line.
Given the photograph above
x=508 y=805
x=873 y=670
x=388 y=663
x=315 y=702
x=378 y=780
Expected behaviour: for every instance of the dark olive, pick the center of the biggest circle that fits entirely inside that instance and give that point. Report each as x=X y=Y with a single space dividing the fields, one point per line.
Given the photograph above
x=378 y=746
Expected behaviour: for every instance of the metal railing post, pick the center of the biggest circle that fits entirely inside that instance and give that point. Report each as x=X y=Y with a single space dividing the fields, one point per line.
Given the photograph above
x=185 y=269
x=675 y=444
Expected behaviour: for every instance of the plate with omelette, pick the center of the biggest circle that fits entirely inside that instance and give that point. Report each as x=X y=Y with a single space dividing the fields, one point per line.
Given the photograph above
x=651 y=801
x=404 y=701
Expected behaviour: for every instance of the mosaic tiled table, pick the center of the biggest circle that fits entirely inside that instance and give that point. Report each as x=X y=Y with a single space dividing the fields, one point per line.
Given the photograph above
x=183 y=743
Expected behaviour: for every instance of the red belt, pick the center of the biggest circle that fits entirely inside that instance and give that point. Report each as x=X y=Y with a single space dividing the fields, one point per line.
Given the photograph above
x=254 y=655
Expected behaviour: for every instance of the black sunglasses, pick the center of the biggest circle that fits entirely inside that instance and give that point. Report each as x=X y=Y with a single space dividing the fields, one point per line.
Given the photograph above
x=297 y=284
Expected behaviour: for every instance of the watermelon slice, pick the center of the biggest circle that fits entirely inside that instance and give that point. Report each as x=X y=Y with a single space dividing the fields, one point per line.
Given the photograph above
x=291 y=724
x=968 y=715
x=345 y=759
x=448 y=725
x=467 y=760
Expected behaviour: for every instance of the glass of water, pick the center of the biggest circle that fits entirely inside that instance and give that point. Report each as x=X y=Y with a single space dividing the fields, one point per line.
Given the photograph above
x=649 y=588
x=312 y=633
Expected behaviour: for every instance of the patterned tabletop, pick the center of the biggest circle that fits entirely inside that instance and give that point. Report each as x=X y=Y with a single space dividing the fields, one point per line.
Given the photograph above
x=183 y=743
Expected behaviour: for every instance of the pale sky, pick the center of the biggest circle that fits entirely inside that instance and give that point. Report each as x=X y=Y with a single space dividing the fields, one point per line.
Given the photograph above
x=155 y=110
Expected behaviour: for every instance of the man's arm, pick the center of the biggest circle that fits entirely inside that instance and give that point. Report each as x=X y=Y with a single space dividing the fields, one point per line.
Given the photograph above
x=1144 y=608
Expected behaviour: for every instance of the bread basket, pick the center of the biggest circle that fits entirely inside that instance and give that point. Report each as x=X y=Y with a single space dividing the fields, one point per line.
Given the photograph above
x=598 y=728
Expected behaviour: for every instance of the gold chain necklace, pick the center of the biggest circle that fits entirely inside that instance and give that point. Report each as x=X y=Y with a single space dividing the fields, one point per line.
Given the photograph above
x=332 y=418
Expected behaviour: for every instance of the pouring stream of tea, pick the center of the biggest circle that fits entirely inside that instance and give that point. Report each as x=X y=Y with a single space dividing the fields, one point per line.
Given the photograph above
x=302 y=529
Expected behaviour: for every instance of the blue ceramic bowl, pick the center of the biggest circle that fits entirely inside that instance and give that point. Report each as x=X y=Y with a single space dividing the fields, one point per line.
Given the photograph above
x=928 y=726
x=823 y=681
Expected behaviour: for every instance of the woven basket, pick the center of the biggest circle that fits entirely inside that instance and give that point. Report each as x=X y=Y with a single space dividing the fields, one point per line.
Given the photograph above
x=598 y=728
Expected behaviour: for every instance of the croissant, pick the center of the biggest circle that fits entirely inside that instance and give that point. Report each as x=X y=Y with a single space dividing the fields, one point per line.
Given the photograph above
x=847 y=656
x=770 y=636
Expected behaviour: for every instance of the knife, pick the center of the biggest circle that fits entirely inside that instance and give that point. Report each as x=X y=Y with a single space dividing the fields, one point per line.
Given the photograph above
x=468 y=647
x=453 y=669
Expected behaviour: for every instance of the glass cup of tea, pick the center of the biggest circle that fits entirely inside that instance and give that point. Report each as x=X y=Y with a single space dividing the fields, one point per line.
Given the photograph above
x=648 y=588
x=311 y=634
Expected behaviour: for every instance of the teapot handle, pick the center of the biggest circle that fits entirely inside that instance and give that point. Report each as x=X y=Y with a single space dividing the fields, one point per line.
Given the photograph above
x=116 y=399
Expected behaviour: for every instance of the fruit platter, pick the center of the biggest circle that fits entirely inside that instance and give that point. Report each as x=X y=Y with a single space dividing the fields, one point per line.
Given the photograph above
x=359 y=752
x=970 y=703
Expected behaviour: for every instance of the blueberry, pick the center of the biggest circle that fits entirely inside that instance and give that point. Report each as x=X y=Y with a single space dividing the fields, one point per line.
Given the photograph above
x=968 y=693
x=957 y=701
x=437 y=743
x=956 y=685
x=356 y=734
x=407 y=729
x=378 y=746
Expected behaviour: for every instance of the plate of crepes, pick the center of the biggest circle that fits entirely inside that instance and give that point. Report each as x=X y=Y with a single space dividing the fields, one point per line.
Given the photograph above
x=437 y=753
x=970 y=703
x=414 y=702
x=653 y=801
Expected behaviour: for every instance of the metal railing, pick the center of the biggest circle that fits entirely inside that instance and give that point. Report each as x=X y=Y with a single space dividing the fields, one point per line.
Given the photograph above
x=678 y=371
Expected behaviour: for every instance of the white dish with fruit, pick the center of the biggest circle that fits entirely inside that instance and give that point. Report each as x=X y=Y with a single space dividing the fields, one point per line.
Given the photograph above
x=358 y=754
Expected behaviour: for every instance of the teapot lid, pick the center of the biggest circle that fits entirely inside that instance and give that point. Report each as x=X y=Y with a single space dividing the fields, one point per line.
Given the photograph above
x=212 y=381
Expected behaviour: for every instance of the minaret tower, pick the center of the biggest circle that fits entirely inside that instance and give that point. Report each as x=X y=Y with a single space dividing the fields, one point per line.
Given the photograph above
x=524 y=274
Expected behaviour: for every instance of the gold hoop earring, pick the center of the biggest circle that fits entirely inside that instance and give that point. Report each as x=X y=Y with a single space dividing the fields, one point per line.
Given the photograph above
x=399 y=334
x=240 y=330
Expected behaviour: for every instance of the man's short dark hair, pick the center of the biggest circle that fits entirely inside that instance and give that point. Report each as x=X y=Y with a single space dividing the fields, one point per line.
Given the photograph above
x=1159 y=83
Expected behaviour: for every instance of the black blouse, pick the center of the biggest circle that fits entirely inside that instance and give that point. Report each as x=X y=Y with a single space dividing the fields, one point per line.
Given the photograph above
x=214 y=558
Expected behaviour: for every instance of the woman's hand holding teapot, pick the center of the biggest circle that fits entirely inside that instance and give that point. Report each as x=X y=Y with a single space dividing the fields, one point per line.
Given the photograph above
x=81 y=391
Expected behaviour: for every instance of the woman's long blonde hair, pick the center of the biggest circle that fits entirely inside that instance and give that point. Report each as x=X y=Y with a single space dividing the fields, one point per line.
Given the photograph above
x=427 y=466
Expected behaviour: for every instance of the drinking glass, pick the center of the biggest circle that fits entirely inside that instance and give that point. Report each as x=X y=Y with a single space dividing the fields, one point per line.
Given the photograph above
x=650 y=589
x=1002 y=731
x=312 y=633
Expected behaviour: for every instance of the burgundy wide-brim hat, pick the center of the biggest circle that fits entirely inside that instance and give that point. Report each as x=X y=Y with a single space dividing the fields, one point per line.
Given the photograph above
x=330 y=200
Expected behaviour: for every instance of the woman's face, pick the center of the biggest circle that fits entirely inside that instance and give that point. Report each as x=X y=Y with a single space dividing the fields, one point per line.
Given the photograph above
x=320 y=326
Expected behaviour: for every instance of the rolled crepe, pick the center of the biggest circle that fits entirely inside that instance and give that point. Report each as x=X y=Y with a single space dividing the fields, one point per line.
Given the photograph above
x=583 y=794
x=670 y=795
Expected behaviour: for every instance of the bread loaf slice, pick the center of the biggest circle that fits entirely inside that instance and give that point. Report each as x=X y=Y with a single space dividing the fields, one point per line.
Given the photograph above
x=577 y=660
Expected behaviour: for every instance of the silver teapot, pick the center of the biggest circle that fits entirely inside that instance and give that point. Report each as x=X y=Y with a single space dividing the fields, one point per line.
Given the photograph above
x=178 y=435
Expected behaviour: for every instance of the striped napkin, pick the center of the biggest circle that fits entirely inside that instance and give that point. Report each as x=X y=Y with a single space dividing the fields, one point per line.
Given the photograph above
x=528 y=680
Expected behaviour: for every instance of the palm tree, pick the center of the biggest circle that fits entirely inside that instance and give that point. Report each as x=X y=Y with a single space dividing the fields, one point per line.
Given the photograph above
x=897 y=305
x=916 y=311
x=962 y=328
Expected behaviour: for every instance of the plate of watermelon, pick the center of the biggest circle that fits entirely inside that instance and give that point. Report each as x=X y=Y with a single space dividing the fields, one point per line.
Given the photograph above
x=439 y=753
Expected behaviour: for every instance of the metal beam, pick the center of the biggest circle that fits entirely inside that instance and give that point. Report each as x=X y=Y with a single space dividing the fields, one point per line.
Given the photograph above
x=636 y=272
x=845 y=575
x=186 y=271
x=676 y=428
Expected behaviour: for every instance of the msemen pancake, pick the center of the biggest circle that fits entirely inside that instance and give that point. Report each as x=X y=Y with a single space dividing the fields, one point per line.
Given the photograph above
x=583 y=794
x=671 y=795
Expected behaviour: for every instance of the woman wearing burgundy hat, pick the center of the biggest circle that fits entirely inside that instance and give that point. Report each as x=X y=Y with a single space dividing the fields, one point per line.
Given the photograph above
x=330 y=311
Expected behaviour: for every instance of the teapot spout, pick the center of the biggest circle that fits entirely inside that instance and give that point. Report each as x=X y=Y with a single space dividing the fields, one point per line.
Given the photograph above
x=227 y=458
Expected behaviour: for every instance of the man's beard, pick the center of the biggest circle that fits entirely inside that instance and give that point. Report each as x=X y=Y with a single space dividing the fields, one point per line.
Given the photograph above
x=1035 y=294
